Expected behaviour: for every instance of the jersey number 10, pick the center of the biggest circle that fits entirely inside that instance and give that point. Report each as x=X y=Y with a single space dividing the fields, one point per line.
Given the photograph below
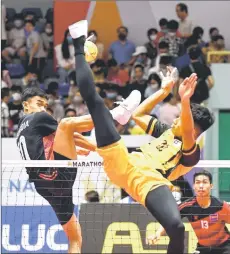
x=23 y=148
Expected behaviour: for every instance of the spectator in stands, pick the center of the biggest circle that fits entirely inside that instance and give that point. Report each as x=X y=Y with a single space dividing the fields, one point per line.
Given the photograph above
x=141 y=57
x=169 y=110
x=165 y=60
x=151 y=44
x=16 y=41
x=3 y=30
x=154 y=84
x=73 y=89
x=205 y=80
x=139 y=82
x=196 y=37
x=122 y=49
x=35 y=49
x=5 y=76
x=217 y=45
x=100 y=46
x=185 y=25
x=54 y=101
x=78 y=105
x=175 y=43
x=177 y=193
x=213 y=31
x=47 y=38
x=92 y=196
x=65 y=57
x=70 y=112
x=117 y=75
x=5 y=96
x=15 y=108
x=99 y=71
x=164 y=29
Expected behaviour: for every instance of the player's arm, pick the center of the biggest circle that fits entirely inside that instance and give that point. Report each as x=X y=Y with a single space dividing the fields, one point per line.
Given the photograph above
x=186 y=90
x=83 y=142
x=142 y=114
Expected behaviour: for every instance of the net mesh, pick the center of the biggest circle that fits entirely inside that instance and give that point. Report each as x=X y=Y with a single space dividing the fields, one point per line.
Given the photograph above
x=114 y=225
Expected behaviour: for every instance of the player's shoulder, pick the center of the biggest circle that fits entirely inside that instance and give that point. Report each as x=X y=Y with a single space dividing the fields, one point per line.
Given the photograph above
x=188 y=203
x=217 y=202
x=42 y=116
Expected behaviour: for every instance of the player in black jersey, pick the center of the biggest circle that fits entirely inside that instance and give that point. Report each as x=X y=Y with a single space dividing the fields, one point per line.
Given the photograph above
x=208 y=217
x=40 y=137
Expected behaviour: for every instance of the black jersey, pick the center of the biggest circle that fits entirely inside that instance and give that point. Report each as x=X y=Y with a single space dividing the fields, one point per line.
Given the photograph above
x=35 y=136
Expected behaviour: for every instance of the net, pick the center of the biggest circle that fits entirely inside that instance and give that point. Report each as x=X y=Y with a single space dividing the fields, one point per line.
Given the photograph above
x=115 y=225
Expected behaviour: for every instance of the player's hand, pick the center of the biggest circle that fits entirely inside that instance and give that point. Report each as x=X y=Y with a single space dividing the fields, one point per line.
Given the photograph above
x=170 y=79
x=187 y=87
x=152 y=239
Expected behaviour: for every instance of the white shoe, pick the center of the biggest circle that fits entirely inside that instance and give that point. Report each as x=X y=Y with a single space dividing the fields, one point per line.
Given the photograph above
x=124 y=111
x=79 y=29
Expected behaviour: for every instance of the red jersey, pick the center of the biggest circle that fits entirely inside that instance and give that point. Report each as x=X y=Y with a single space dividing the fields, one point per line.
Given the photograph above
x=209 y=224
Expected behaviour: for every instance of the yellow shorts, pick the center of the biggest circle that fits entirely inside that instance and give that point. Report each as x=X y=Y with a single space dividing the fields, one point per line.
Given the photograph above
x=131 y=171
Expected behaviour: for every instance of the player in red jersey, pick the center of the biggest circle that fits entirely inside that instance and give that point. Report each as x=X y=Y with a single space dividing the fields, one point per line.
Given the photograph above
x=208 y=217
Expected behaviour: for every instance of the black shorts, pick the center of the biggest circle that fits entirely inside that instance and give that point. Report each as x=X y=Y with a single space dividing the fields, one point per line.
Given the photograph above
x=224 y=248
x=55 y=185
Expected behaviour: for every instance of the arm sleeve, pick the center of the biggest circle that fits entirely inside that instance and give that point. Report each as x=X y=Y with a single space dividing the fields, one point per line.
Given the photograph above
x=155 y=128
x=45 y=124
x=35 y=38
x=191 y=158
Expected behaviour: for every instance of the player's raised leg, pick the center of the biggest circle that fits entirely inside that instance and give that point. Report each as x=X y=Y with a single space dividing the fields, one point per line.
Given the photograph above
x=106 y=133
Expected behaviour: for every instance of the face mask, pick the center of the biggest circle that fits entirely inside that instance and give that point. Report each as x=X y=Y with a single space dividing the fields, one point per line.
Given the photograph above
x=154 y=86
x=165 y=31
x=70 y=40
x=50 y=102
x=122 y=36
x=111 y=95
x=48 y=31
x=153 y=37
x=177 y=196
x=16 y=96
x=18 y=23
x=172 y=34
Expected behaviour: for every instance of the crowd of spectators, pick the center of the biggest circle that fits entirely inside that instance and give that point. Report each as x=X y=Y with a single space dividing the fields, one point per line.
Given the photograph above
x=28 y=57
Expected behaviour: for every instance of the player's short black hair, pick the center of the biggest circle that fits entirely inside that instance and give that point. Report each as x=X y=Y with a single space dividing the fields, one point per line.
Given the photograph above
x=202 y=117
x=28 y=21
x=151 y=31
x=32 y=92
x=163 y=22
x=70 y=110
x=203 y=173
x=183 y=7
x=173 y=25
x=92 y=196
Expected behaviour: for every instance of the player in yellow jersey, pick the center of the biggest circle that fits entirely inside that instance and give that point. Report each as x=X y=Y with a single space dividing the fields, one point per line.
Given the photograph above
x=145 y=175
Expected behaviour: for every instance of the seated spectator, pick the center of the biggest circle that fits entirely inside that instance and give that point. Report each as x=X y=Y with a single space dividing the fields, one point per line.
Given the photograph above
x=70 y=112
x=15 y=109
x=30 y=79
x=65 y=57
x=151 y=45
x=47 y=38
x=122 y=49
x=73 y=85
x=139 y=82
x=16 y=41
x=163 y=29
x=165 y=60
x=205 y=80
x=196 y=38
x=5 y=76
x=217 y=45
x=5 y=96
x=175 y=43
x=141 y=57
x=169 y=110
x=213 y=31
x=117 y=75
x=185 y=25
x=100 y=46
x=35 y=49
x=78 y=105
x=99 y=71
x=3 y=27
x=92 y=196
x=54 y=102
x=154 y=84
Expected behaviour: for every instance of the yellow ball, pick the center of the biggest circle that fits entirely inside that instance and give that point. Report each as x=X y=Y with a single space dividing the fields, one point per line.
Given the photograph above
x=90 y=51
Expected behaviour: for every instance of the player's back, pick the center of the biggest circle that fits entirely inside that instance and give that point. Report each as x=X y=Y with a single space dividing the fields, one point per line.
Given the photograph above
x=35 y=136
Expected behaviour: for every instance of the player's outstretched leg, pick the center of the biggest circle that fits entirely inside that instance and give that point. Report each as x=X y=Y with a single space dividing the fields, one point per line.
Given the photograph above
x=105 y=129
